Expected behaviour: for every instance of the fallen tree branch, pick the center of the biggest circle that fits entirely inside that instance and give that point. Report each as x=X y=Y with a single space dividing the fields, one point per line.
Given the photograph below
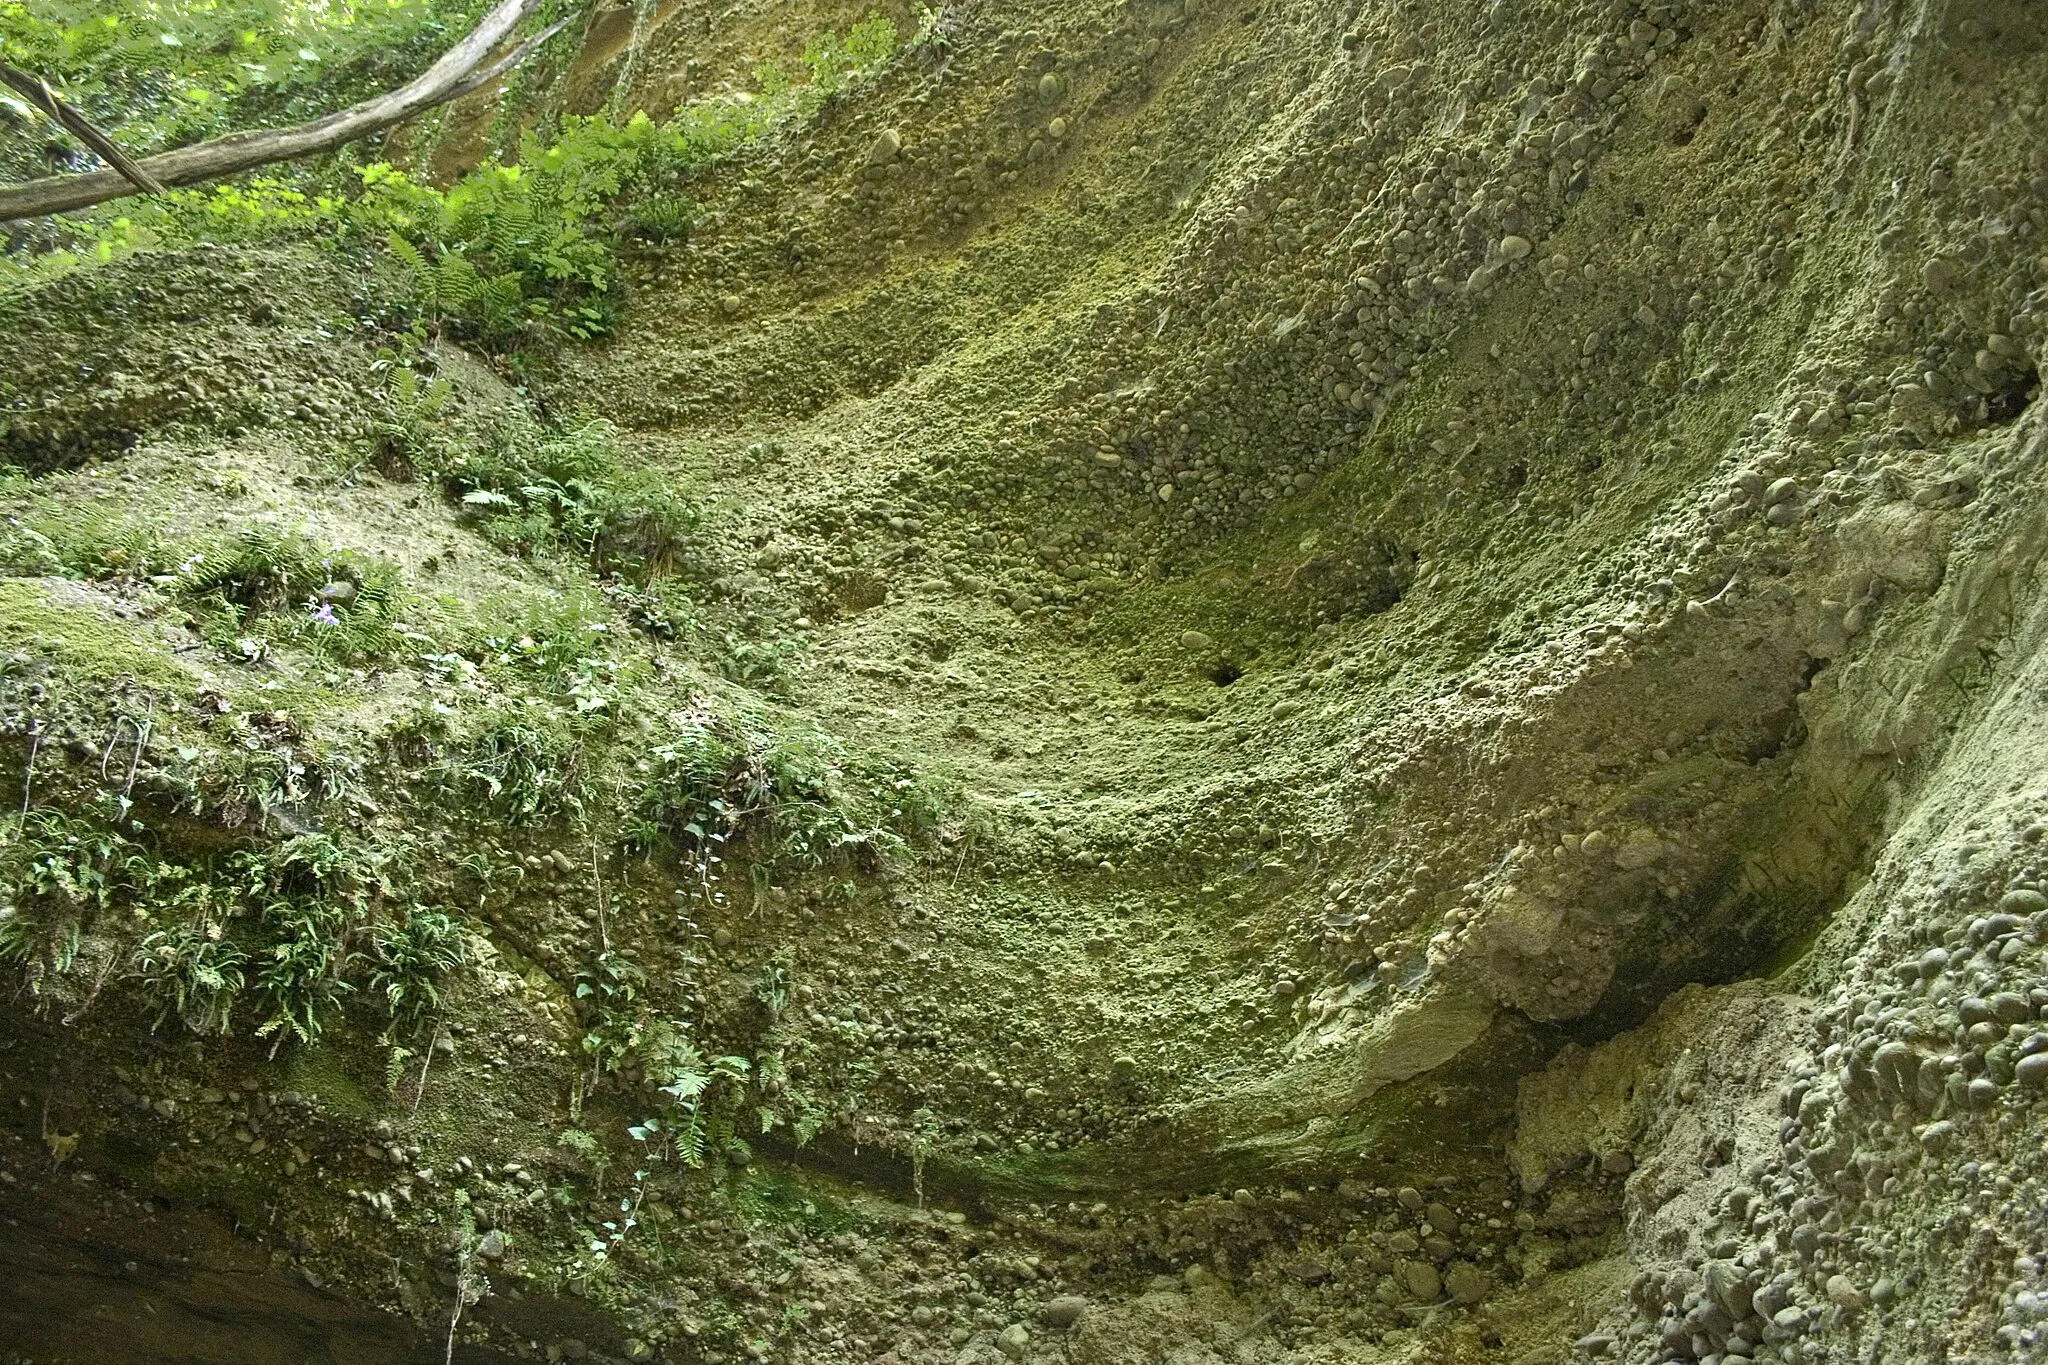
x=454 y=75
x=37 y=91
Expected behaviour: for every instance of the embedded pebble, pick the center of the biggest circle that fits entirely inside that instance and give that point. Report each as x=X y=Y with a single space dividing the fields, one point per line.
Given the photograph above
x=1422 y=1281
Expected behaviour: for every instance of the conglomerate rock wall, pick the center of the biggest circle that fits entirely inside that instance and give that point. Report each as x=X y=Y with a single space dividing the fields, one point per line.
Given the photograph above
x=1470 y=576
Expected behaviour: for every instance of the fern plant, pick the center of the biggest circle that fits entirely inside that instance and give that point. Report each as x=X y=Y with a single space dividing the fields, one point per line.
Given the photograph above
x=569 y=490
x=403 y=438
x=411 y=957
x=195 y=975
x=303 y=974
x=266 y=585
x=447 y=285
x=702 y=1096
x=58 y=879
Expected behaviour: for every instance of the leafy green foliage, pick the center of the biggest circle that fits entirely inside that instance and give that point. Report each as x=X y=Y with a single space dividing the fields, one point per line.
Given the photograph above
x=268 y=585
x=702 y=1096
x=305 y=923
x=511 y=254
x=58 y=877
x=832 y=63
x=529 y=248
x=159 y=75
x=195 y=975
x=766 y=664
x=571 y=491
x=410 y=957
x=90 y=543
x=252 y=590
x=790 y=797
x=404 y=437
x=522 y=250
x=524 y=763
x=303 y=972
x=608 y=993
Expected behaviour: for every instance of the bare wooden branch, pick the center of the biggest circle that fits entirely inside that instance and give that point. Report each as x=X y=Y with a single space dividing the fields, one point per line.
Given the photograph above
x=38 y=92
x=455 y=74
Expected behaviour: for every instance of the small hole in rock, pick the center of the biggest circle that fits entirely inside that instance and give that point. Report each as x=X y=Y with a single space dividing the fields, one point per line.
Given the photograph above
x=2012 y=397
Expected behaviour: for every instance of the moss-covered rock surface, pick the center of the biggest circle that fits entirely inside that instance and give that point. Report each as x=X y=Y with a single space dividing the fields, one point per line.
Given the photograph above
x=1161 y=682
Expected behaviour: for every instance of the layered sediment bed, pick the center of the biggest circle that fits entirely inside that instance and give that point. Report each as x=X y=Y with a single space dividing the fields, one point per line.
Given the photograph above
x=1351 y=686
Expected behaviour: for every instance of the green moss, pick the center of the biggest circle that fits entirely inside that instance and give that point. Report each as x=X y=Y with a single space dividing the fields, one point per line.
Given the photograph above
x=781 y=1200
x=87 y=648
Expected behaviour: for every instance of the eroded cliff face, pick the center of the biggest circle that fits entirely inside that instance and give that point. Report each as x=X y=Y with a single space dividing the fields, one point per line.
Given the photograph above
x=1354 y=686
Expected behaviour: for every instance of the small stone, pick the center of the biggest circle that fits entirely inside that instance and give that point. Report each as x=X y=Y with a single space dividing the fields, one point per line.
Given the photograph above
x=1843 y=1293
x=2032 y=1072
x=1467 y=1282
x=885 y=148
x=1595 y=1344
x=729 y=304
x=1063 y=1312
x=1941 y=275
x=1515 y=248
x=1195 y=640
x=1780 y=490
x=1422 y=1280
x=1309 y=1272
x=1410 y=1197
x=1057 y=129
x=1726 y=1285
x=1596 y=843
x=1050 y=88
x=340 y=592
x=2023 y=903
x=1014 y=1341
x=1785 y=514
